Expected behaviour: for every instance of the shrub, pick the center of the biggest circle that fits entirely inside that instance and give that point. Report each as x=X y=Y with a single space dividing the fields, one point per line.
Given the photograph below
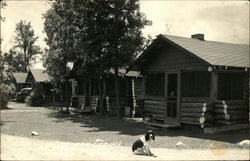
x=7 y=91
x=35 y=98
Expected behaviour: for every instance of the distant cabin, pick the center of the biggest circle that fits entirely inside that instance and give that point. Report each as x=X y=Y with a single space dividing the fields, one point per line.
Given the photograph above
x=40 y=81
x=193 y=81
x=19 y=79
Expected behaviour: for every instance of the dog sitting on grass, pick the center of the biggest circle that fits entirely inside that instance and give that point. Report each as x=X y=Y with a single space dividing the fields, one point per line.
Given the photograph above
x=142 y=145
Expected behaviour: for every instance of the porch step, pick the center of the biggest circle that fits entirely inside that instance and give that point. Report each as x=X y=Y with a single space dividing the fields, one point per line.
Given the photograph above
x=162 y=125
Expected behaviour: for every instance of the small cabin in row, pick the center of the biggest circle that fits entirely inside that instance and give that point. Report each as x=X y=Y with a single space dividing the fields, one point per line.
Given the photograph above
x=20 y=80
x=88 y=87
x=40 y=81
x=194 y=81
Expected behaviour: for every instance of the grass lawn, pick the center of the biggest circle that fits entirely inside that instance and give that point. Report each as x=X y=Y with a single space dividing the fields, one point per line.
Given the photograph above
x=21 y=120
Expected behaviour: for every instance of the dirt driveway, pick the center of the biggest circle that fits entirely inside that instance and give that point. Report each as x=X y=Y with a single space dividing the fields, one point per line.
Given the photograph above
x=21 y=148
x=78 y=130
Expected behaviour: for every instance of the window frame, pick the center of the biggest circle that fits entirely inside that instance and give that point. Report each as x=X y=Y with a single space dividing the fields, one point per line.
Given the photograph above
x=220 y=73
x=155 y=85
x=205 y=95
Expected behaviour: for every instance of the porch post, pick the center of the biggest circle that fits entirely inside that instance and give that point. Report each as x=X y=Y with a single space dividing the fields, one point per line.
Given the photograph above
x=213 y=86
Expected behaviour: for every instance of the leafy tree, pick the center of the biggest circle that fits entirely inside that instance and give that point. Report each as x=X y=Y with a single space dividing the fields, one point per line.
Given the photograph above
x=3 y=4
x=104 y=33
x=120 y=23
x=14 y=61
x=60 y=33
x=7 y=87
x=24 y=44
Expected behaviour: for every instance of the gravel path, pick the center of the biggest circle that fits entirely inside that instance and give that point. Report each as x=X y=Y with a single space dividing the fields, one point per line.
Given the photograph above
x=22 y=148
x=21 y=120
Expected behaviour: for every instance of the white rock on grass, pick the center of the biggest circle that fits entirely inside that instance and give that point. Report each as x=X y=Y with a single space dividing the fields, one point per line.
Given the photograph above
x=180 y=144
x=244 y=143
x=34 y=133
x=99 y=141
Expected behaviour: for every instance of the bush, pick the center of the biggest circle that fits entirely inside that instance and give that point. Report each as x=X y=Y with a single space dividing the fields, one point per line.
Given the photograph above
x=7 y=91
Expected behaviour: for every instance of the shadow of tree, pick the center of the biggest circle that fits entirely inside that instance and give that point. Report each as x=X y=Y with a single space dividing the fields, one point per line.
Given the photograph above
x=131 y=127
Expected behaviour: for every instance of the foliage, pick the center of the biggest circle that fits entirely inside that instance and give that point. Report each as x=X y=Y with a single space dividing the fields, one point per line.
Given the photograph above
x=24 y=48
x=14 y=61
x=7 y=87
x=3 y=4
x=104 y=33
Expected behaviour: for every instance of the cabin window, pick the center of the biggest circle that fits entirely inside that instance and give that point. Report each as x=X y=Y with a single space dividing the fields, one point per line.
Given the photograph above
x=231 y=86
x=196 y=84
x=155 y=84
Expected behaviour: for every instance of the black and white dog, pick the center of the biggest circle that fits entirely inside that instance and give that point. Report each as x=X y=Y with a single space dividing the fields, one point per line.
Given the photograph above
x=142 y=145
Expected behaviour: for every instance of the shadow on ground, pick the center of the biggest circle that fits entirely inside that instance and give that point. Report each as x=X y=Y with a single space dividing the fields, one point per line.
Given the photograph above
x=99 y=123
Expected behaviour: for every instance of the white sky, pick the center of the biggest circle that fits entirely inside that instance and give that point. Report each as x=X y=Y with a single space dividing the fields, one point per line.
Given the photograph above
x=226 y=21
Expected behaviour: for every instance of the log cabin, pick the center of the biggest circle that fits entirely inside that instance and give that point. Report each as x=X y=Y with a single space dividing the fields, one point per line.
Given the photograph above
x=19 y=80
x=191 y=81
x=89 y=87
x=39 y=79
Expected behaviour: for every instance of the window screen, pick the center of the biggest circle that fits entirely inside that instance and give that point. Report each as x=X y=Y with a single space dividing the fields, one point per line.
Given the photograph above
x=196 y=84
x=155 y=84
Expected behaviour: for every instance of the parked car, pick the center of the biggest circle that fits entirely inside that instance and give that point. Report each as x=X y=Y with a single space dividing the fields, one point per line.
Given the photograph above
x=20 y=97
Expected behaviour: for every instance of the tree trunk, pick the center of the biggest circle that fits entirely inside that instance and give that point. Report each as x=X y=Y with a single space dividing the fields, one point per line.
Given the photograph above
x=117 y=96
x=61 y=96
x=101 y=96
x=66 y=95
x=104 y=93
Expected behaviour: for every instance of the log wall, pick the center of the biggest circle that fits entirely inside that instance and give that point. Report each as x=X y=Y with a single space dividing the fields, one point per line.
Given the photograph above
x=94 y=103
x=81 y=100
x=196 y=112
x=154 y=108
x=230 y=112
x=124 y=102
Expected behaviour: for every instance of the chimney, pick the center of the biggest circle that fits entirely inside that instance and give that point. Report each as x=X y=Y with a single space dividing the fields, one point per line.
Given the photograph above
x=198 y=36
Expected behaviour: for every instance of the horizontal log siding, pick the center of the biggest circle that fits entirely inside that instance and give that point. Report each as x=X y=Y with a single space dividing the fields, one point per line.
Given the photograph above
x=154 y=107
x=94 y=102
x=194 y=110
x=170 y=57
x=124 y=102
x=237 y=111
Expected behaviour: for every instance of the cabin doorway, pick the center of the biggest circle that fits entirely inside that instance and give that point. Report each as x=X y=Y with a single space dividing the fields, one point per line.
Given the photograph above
x=172 y=98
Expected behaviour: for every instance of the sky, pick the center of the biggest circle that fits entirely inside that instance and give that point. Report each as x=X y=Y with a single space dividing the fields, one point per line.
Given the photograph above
x=225 y=21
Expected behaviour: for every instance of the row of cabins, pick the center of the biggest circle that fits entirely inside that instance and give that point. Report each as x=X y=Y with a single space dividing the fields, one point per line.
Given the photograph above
x=182 y=81
x=38 y=80
x=175 y=81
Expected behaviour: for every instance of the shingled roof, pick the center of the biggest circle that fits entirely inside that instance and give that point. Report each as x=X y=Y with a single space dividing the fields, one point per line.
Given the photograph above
x=40 y=75
x=211 y=52
x=215 y=53
x=20 y=77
